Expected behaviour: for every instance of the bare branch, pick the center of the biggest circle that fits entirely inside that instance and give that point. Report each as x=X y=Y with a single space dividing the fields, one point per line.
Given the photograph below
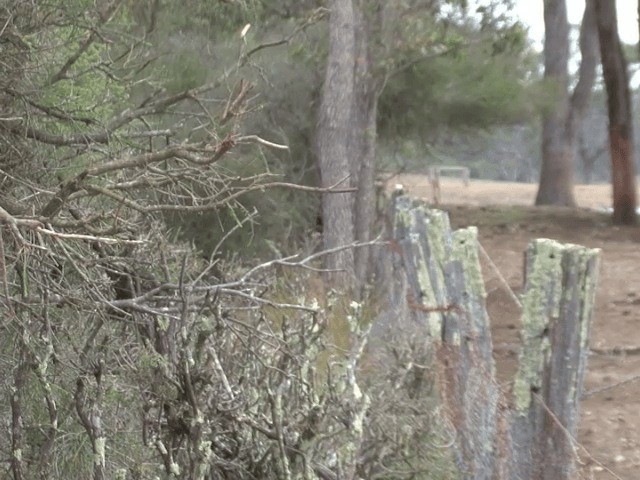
x=261 y=141
x=92 y=238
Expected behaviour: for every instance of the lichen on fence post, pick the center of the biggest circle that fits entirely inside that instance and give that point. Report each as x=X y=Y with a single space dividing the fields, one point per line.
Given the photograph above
x=467 y=351
x=557 y=310
x=445 y=294
x=439 y=274
x=423 y=237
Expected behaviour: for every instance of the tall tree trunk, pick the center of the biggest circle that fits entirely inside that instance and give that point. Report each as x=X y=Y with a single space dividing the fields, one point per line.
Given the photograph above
x=639 y=26
x=587 y=73
x=556 y=175
x=614 y=68
x=561 y=123
x=334 y=140
x=365 y=117
x=366 y=198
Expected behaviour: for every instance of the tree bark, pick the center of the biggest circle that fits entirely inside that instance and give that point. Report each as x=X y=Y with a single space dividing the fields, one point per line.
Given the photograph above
x=365 y=123
x=614 y=69
x=334 y=140
x=561 y=123
x=556 y=175
x=587 y=72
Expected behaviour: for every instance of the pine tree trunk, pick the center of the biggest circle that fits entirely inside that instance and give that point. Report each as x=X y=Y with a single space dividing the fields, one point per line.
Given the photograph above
x=365 y=117
x=614 y=68
x=366 y=196
x=556 y=175
x=334 y=140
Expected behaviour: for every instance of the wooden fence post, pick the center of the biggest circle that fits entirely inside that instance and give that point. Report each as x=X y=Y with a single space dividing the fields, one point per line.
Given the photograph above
x=445 y=293
x=557 y=309
x=436 y=287
x=472 y=395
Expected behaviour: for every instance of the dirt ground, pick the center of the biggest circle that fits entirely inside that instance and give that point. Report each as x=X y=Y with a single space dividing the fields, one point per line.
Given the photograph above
x=609 y=433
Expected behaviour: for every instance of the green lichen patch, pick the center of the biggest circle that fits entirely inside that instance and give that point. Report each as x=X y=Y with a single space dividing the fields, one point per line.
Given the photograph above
x=428 y=295
x=540 y=303
x=438 y=229
x=465 y=250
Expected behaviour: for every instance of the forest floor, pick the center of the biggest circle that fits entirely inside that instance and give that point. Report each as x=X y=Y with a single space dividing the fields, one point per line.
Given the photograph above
x=609 y=432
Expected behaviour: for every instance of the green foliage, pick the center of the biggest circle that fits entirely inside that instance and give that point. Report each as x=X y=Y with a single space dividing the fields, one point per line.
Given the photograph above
x=285 y=80
x=457 y=70
x=485 y=78
x=182 y=69
x=216 y=18
x=84 y=89
x=470 y=88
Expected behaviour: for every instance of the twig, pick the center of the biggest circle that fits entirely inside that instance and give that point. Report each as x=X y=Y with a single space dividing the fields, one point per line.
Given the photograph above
x=220 y=371
x=151 y=133
x=261 y=141
x=264 y=301
x=6 y=24
x=3 y=269
x=313 y=18
x=234 y=287
x=231 y=109
x=493 y=266
x=305 y=188
x=288 y=261
x=12 y=223
x=78 y=236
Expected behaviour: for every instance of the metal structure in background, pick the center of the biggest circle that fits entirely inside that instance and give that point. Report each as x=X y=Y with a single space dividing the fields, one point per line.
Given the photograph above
x=435 y=172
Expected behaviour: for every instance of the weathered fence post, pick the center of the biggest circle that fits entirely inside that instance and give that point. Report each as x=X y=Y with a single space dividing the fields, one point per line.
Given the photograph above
x=557 y=310
x=445 y=293
x=472 y=393
x=436 y=285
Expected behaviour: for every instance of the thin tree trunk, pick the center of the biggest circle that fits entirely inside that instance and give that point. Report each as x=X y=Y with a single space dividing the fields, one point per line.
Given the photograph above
x=366 y=197
x=17 y=433
x=365 y=116
x=614 y=68
x=561 y=124
x=639 y=26
x=333 y=142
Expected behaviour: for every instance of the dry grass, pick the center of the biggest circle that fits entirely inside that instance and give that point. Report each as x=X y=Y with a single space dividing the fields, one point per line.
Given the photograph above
x=482 y=192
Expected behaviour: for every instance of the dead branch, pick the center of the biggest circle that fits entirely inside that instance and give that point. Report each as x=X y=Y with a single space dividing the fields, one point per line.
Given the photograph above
x=261 y=141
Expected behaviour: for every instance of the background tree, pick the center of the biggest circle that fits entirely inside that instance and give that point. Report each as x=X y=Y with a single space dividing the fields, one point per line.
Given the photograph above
x=561 y=121
x=621 y=148
x=369 y=18
x=393 y=41
x=335 y=136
